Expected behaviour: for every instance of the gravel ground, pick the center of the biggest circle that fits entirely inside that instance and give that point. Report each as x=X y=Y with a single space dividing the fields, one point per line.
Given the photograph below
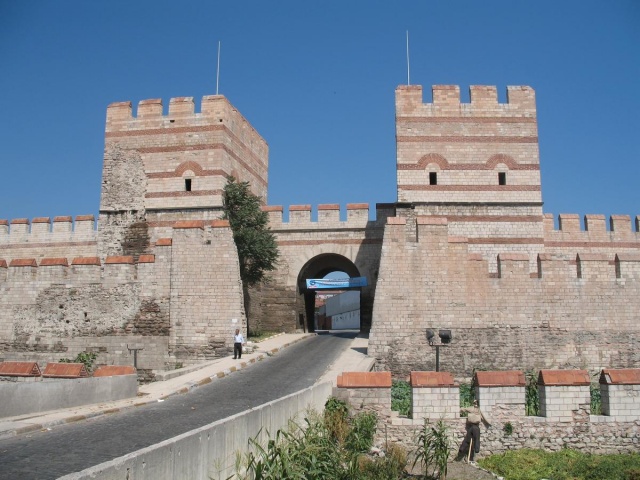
x=461 y=471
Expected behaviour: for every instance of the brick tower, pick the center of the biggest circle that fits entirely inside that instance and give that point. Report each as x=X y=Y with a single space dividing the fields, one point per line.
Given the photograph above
x=476 y=164
x=159 y=169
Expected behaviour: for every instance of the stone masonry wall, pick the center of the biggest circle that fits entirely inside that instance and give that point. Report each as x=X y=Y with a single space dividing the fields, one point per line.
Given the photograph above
x=549 y=318
x=56 y=310
x=580 y=430
x=206 y=291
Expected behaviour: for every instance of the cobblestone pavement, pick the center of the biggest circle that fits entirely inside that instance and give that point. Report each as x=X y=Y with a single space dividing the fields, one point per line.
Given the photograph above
x=74 y=447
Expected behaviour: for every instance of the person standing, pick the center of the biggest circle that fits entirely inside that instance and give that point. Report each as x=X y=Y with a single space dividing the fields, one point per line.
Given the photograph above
x=238 y=340
x=471 y=443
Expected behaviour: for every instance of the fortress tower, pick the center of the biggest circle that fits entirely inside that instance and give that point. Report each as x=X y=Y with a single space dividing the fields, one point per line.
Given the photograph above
x=477 y=164
x=159 y=169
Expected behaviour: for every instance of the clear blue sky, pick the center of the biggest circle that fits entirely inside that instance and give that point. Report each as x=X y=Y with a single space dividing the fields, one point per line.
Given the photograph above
x=317 y=80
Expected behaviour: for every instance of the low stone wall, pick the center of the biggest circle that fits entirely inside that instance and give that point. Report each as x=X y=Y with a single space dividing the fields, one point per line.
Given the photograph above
x=20 y=398
x=209 y=452
x=587 y=433
x=509 y=428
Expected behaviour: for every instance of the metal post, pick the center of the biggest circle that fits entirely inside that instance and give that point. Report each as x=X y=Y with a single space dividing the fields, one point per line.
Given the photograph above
x=437 y=358
x=135 y=355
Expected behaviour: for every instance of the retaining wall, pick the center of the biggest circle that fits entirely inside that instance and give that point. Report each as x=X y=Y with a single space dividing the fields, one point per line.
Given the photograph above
x=208 y=452
x=19 y=398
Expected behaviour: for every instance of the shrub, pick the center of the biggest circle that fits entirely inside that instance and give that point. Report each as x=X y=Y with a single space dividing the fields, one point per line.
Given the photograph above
x=467 y=396
x=401 y=397
x=508 y=429
x=434 y=448
x=88 y=358
x=360 y=437
x=336 y=413
x=596 y=399
x=532 y=400
x=390 y=467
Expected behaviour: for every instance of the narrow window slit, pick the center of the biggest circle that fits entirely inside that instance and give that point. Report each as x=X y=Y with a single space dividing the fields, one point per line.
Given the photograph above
x=187 y=184
x=433 y=178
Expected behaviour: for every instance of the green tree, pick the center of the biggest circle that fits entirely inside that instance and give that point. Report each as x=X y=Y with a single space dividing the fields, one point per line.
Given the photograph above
x=256 y=244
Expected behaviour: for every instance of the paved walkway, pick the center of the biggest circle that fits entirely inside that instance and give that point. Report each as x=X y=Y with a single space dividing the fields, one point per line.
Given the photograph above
x=184 y=380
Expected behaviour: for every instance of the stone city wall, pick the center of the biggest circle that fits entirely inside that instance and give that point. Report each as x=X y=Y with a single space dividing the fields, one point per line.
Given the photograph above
x=574 y=310
x=176 y=304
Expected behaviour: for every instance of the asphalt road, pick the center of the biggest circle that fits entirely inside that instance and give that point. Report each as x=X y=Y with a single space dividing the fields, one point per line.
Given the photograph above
x=74 y=447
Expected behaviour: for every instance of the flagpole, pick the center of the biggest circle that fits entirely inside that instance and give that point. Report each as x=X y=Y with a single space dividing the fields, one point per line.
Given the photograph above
x=218 y=69
x=408 y=78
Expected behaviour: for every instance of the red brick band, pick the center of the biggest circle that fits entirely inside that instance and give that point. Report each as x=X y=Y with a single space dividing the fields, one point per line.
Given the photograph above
x=506 y=241
x=193 y=193
x=472 y=188
x=367 y=241
x=492 y=218
x=421 y=165
x=48 y=244
x=199 y=173
x=593 y=244
x=466 y=119
x=179 y=130
x=468 y=139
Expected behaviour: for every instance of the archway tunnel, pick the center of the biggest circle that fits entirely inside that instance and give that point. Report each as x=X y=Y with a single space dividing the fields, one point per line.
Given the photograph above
x=317 y=268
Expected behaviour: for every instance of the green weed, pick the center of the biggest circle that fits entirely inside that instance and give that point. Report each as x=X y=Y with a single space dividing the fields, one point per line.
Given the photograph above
x=401 y=397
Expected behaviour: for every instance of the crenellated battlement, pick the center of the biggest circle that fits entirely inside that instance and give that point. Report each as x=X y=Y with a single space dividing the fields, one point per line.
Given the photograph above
x=216 y=112
x=43 y=237
x=521 y=102
x=42 y=229
x=78 y=270
x=621 y=228
x=606 y=264
x=328 y=216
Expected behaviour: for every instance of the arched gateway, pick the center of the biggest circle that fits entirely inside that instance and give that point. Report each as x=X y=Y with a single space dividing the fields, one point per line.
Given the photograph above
x=317 y=268
x=311 y=249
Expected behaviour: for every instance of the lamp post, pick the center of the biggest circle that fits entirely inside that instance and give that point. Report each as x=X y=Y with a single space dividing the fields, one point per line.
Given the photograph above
x=445 y=339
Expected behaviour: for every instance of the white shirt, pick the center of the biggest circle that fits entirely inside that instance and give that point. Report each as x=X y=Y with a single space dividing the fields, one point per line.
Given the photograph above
x=238 y=338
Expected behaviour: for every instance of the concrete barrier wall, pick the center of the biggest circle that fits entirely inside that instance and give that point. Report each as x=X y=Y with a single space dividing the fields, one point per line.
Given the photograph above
x=209 y=452
x=19 y=398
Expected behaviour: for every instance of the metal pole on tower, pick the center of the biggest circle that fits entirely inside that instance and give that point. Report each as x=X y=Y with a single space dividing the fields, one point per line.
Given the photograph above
x=408 y=78
x=218 y=69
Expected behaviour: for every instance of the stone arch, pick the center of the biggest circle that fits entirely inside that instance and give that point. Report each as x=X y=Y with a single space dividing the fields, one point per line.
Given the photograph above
x=188 y=165
x=499 y=158
x=436 y=158
x=317 y=267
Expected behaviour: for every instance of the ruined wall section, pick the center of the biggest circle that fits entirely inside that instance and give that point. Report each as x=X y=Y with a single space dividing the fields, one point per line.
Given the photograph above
x=58 y=308
x=175 y=304
x=41 y=237
x=551 y=317
x=123 y=226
